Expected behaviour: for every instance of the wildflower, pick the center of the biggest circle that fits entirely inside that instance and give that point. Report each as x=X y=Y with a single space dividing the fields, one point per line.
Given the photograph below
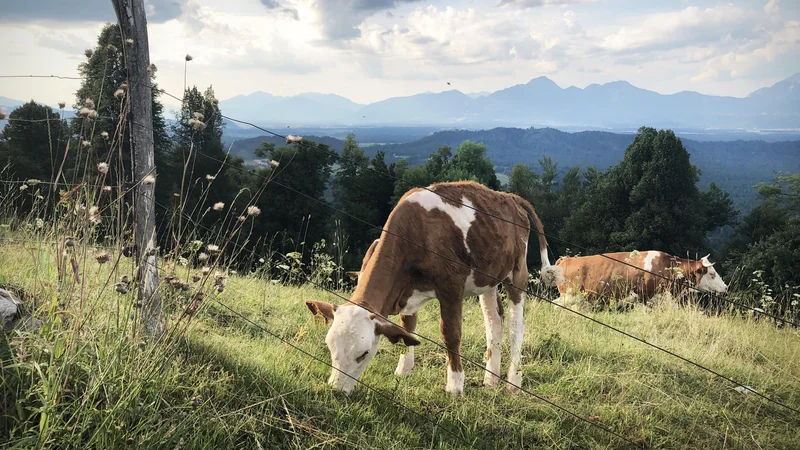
x=189 y=57
x=274 y=164
x=92 y=114
x=291 y=139
x=241 y=218
x=202 y=257
x=110 y=48
x=89 y=103
x=261 y=260
x=84 y=112
x=253 y=210
x=213 y=248
x=198 y=115
x=124 y=86
x=129 y=41
x=94 y=215
x=119 y=93
x=104 y=134
x=61 y=105
x=39 y=223
x=149 y=179
x=152 y=69
x=183 y=261
x=23 y=187
x=210 y=178
x=88 y=52
x=106 y=188
x=205 y=270
x=219 y=206
x=86 y=144
x=102 y=257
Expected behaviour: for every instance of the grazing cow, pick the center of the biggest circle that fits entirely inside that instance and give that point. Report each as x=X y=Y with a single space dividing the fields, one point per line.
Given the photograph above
x=445 y=250
x=604 y=276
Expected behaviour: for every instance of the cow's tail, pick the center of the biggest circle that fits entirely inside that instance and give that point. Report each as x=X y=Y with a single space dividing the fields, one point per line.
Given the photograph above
x=551 y=275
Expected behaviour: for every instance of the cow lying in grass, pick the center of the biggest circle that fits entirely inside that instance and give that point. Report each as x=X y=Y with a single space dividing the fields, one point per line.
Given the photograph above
x=610 y=276
x=448 y=251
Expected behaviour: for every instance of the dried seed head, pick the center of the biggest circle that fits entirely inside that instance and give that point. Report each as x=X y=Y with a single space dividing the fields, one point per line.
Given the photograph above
x=104 y=134
x=23 y=187
x=92 y=114
x=202 y=257
x=213 y=248
x=88 y=52
x=189 y=57
x=84 y=112
x=219 y=206
x=102 y=167
x=61 y=105
x=69 y=241
x=150 y=179
x=152 y=69
x=241 y=218
x=274 y=164
x=196 y=278
x=198 y=115
x=89 y=103
x=106 y=188
x=253 y=210
x=86 y=144
x=205 y=270
x=215 y=101
x=102 y=257
x=128 y=41
x=121 y=288
x=119 y=93
x=197 y=124
x=291 y=139
x=94 y=215
x=111 y=49
x=210 y=177
x=2 y=115
x=125 y=279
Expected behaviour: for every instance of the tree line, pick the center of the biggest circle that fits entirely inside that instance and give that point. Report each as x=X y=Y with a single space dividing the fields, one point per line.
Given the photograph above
x=648 y=201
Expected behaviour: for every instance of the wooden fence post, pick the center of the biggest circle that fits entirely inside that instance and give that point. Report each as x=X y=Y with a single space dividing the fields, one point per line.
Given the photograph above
x=133 y=27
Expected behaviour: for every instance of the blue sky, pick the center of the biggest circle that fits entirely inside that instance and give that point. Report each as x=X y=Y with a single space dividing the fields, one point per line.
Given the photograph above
x=368 y=50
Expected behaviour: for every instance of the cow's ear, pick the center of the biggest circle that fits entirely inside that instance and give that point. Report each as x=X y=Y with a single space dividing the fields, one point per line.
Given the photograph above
x=394 y=333
x=324 y=309
x=352 y=275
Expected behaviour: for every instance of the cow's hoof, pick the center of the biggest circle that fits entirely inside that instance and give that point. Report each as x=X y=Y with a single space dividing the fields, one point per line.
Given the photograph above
x=514 y=382
x=490 y=380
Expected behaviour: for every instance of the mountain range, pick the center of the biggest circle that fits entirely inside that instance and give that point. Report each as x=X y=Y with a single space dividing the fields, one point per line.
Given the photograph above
x=541 y=102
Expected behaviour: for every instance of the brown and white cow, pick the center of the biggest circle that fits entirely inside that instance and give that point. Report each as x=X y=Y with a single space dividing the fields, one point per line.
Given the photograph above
x=607 y=276
x=400 y=274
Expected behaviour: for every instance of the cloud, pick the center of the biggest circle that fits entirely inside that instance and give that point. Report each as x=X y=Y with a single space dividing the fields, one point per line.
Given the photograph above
x=158 y=11
x=540 y=3
x=339 y=20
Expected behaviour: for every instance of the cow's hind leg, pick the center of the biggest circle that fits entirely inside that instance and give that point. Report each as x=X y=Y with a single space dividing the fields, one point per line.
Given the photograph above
x=493 y=320
x=406 y=362
x=516 y=326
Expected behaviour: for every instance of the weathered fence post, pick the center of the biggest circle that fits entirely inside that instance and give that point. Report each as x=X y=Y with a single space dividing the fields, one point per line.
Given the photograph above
x=133 y=27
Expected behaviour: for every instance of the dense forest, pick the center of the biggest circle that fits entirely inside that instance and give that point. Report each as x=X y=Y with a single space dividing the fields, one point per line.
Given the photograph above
x=619 y=193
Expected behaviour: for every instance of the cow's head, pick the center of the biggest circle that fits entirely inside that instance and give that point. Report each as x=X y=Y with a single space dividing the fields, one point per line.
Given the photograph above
x=353 y=340
x=708 y=278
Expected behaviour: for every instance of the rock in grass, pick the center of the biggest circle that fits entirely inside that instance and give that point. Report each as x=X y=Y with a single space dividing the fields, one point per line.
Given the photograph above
x=8 y=309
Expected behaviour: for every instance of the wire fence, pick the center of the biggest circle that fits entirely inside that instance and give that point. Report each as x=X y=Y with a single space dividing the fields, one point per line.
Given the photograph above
x=305 y=145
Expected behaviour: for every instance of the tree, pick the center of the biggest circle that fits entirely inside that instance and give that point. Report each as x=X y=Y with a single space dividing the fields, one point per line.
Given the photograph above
x=650 y=200
x=471 y=161
x=35 y=138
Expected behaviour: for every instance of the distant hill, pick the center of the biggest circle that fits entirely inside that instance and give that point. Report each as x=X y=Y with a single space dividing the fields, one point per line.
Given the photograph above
x=736 y=165
x=540 y=102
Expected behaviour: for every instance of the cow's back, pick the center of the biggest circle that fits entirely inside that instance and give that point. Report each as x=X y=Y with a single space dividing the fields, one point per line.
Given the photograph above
x=613 y=275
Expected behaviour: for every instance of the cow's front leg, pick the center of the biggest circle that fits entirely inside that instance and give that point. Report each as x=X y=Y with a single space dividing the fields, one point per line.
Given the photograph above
x=406 y=362
x=450 y=326
x=493 y=320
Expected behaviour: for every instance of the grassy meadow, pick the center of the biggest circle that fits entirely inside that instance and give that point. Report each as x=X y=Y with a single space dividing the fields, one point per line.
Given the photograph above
x=86 y=379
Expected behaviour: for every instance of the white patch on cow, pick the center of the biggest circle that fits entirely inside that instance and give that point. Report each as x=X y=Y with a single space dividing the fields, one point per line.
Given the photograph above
x=406 y=363
x=516 y=331
x=462 y=216
x=712 y=282
x=351 y=336
x=416 y=301
x=648 y=260
x=470 y=288
x=455 y=381
x=494 y=336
